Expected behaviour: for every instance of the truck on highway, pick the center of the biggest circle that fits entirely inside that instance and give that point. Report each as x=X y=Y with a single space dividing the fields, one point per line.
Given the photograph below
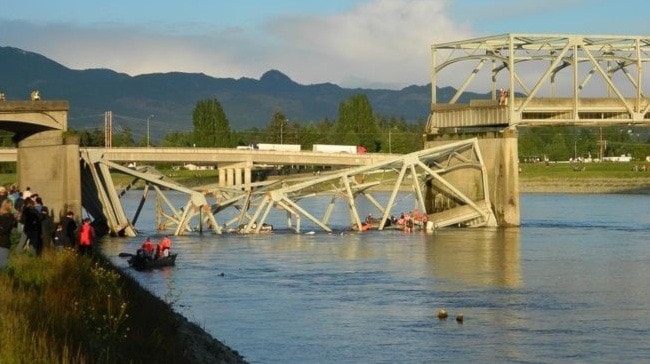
x=332 y=148
x=278 y=147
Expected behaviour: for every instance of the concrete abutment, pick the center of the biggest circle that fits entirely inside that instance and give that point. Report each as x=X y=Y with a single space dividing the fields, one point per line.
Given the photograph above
x=48 y=163
x=500 y=155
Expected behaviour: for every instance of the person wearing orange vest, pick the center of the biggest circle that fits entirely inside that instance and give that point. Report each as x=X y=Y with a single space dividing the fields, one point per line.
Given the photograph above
x=163 y=247
x=147 y=248
x=86 y=237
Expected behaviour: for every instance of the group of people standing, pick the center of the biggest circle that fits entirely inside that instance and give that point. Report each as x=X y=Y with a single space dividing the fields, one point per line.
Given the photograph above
x=25 y=211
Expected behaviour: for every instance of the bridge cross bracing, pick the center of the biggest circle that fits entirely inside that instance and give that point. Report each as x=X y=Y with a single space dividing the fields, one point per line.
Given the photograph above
x=423 y=174
x=553 y=79
x=418 y=169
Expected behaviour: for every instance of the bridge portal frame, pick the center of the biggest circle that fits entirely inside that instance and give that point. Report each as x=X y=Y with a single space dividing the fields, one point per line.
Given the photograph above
x=618 y=60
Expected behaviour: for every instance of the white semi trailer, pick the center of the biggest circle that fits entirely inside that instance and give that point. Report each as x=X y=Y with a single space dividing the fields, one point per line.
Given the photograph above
x=331 y=148
x=279 y=147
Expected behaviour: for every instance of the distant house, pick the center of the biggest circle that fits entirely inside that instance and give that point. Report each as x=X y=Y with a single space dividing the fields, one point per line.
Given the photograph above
x=194 y=167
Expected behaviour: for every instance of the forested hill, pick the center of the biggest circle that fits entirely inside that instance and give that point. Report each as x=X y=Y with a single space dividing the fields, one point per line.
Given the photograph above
x=171 y=97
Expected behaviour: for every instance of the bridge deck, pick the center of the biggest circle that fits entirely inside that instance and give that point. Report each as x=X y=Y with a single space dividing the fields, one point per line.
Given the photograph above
x=540 y=112
x=223 y=155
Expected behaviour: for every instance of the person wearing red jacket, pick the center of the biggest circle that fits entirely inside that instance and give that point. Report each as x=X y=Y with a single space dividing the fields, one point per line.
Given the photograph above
x=163 y=247
x=147 y=248
x=86 y=237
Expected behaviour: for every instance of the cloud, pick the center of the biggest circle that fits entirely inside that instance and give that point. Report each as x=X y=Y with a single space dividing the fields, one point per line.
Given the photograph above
x=384 y=42
x=378 y=43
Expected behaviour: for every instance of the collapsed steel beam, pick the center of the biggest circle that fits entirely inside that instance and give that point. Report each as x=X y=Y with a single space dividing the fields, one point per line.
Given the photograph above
x=430 y=164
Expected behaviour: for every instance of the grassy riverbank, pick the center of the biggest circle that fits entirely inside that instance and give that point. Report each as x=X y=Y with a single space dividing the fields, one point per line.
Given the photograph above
x=63 y=308
x=584 y=178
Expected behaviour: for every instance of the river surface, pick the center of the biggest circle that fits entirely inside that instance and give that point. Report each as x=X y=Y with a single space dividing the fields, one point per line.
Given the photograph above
x=572 y=284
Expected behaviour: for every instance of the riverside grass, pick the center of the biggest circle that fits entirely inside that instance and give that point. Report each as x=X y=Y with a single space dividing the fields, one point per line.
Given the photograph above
x=61 y=308
x=65 y=308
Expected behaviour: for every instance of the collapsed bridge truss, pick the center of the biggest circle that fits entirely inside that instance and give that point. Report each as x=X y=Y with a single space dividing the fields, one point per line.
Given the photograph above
x=448 y=182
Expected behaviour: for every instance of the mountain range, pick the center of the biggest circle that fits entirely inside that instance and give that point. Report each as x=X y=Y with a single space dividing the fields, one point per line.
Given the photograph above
x=168 y=99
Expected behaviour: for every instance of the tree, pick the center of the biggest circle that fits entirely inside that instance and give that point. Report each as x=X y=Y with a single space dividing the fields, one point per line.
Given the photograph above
x=211 y=126
x=123 y=138
x=356 y=124
x=177 y=139
x=277 y=129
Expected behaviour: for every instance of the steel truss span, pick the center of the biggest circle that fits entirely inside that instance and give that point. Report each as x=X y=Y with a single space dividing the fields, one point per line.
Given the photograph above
x=429 y=175
x=551 y=79
x=424 y=173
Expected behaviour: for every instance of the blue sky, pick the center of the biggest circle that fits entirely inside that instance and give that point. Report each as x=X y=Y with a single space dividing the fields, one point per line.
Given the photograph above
x=353 y=43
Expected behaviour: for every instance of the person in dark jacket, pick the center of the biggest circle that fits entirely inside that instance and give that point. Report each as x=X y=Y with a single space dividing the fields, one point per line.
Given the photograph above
x=61 y=239
x=70 y=228
x=31 y=220
x=7 y=223
x=47 y=227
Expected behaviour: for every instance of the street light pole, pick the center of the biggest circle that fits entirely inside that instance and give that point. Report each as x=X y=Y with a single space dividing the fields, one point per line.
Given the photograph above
x=148 y=118
x=390 y=148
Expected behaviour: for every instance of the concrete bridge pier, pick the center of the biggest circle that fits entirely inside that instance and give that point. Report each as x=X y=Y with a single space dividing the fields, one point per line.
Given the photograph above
x=237 y=174
x=500 y=155
x=48 y=163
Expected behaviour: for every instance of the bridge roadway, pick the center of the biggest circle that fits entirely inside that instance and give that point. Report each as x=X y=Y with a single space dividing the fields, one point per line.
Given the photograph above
x=223 y=155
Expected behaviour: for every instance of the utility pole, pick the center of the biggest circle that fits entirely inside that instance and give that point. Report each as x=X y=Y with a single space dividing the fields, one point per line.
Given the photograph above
x=602 y=145
x=108 y=129
x=148 y=118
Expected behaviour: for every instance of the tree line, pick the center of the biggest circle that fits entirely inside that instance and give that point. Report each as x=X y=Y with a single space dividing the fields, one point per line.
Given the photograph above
x=357 y=124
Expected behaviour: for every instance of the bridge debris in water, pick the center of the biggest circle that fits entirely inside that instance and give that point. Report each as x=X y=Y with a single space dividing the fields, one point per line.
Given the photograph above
x=448 y=182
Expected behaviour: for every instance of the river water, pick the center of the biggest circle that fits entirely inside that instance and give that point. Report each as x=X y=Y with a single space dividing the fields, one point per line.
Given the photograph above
x=570 y=285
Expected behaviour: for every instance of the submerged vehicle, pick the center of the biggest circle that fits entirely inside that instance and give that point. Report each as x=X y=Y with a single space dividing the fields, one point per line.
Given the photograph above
x=140 y=262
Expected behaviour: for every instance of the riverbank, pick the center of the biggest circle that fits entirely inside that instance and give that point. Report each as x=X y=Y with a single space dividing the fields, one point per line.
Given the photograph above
x=61 y=307
x=585 y=185
x=617 y=178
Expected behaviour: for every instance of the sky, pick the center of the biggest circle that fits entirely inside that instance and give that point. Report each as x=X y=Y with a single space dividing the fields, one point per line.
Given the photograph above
x=352 y=43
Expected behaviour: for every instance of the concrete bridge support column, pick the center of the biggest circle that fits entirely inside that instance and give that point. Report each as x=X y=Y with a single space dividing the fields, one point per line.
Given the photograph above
x=222 y=177
x=49 y=164
x=238 y=176
x=248 y=179
x=500 y=155
x=230 y=176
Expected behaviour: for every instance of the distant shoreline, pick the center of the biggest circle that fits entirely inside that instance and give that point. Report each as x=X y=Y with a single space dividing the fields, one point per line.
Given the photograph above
x=636 y=186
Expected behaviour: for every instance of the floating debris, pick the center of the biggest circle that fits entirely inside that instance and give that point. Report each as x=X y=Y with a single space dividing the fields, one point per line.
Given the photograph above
x=442 y=314
x=460 y=318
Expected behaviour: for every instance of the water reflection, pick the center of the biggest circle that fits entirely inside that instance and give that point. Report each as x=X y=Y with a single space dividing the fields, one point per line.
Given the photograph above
x=478 y=257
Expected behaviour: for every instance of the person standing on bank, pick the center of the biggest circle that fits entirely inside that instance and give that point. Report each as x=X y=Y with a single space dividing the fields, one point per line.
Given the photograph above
x=70 y=228
x=7 y=223
x=86 y=237
x=47 y=227
x=31 y=220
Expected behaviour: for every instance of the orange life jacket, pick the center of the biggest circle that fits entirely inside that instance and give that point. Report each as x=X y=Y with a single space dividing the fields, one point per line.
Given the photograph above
x=165 y=243
x=148 y=246
x=86 y=235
